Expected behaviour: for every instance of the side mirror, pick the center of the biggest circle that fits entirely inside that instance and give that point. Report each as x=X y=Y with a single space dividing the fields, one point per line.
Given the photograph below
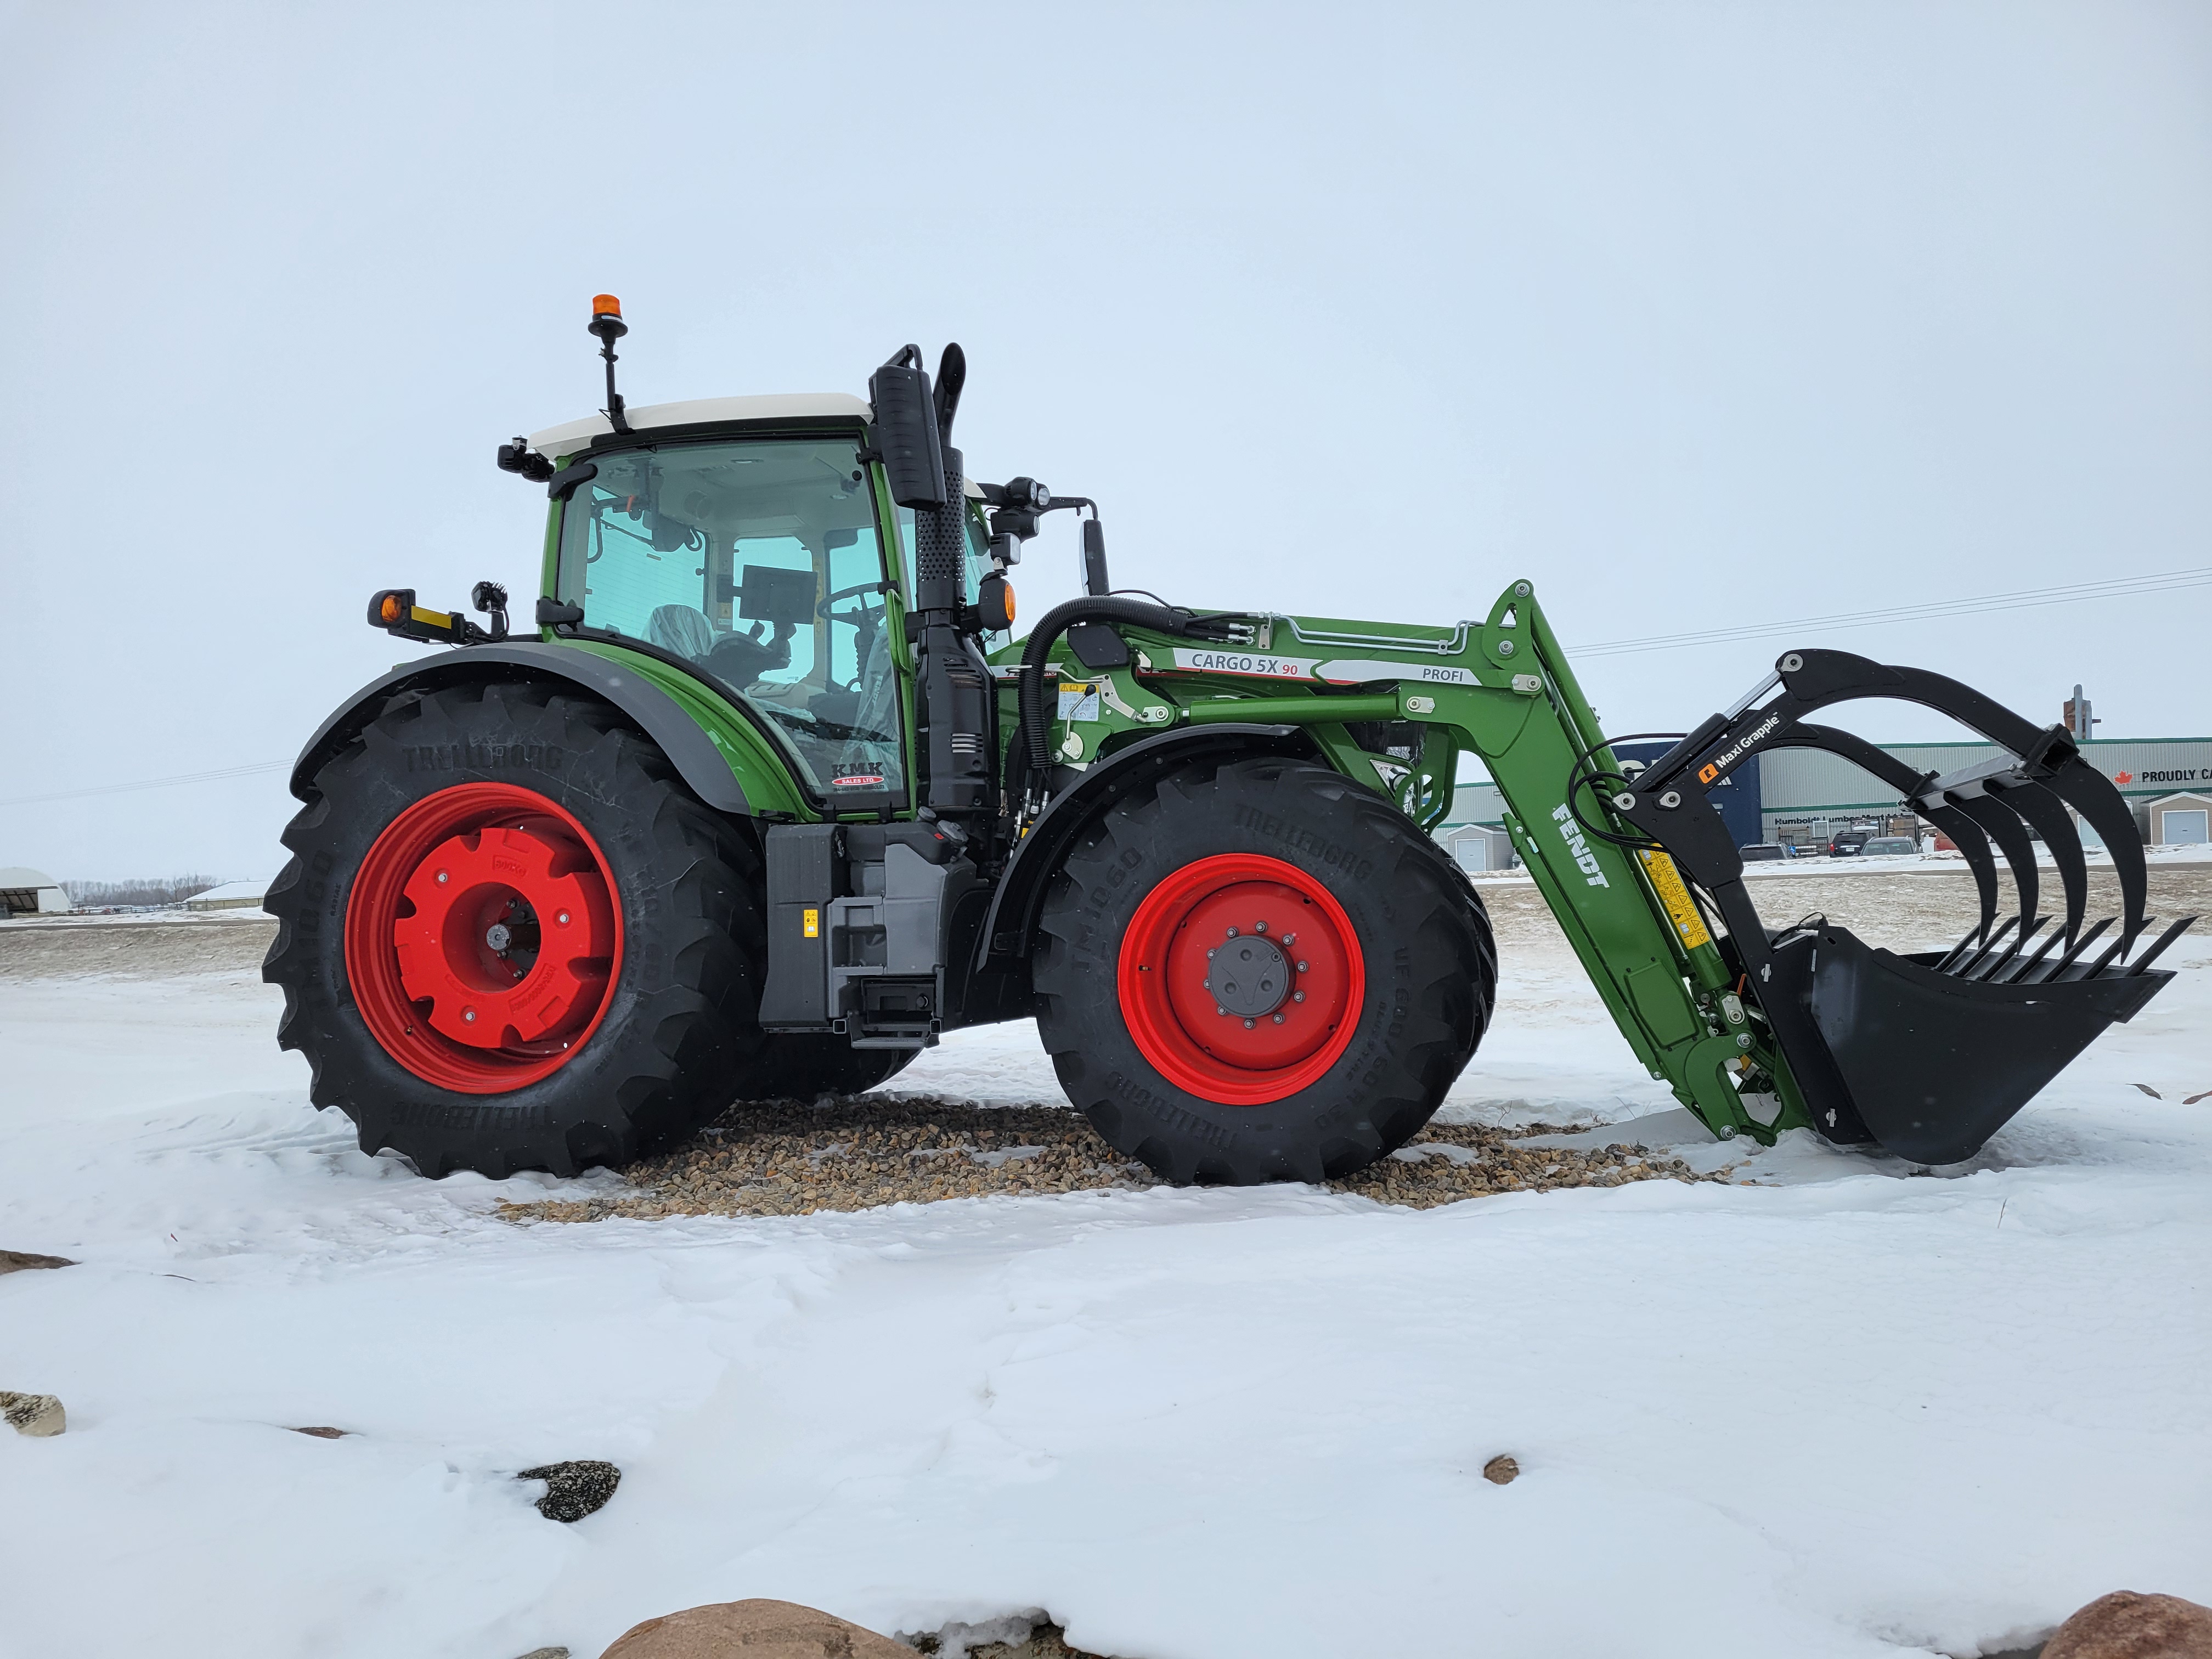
x=907 y=440
x=1094 y=560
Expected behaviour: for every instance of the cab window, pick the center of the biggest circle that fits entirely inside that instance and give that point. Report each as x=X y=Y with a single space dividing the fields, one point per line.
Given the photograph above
x=758 y=564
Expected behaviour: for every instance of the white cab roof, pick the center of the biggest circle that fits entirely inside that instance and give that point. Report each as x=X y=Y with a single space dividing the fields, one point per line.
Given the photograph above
x=558 y=441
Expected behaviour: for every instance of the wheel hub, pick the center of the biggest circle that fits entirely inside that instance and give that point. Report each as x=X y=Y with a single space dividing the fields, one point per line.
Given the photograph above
x=472 y=895
x=1248 y=976
x=1240 y=978
x=482 y=938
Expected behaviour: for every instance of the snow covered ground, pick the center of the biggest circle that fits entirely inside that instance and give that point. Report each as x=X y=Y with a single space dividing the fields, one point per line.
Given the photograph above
x=1846 y=1410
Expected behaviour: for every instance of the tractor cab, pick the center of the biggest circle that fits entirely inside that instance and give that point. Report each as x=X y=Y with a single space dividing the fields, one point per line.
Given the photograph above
x=760 y=564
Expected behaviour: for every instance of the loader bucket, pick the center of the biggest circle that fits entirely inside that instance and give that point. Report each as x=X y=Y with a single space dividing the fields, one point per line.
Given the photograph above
x=1929 y=1053
x=1936 y=1064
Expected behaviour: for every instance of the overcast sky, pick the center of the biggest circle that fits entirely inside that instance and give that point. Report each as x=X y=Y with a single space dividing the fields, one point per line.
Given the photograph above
x=1694 y=314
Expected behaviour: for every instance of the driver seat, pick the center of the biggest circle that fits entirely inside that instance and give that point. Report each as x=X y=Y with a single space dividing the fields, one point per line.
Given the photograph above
x=682 y=628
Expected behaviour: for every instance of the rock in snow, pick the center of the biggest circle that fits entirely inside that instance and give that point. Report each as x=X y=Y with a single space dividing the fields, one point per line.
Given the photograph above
x=574 y=1490
x=1500 y=1469
x=2129 y=1626
x=755 y=1630
x=12 y=1262
x=34 y=1415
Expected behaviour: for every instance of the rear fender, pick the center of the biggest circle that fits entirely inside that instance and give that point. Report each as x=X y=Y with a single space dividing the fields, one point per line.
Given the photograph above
x=704 y=767
x=1008 y=929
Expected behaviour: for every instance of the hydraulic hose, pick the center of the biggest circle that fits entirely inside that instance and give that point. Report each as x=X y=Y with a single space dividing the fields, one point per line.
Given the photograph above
x=1036 y=723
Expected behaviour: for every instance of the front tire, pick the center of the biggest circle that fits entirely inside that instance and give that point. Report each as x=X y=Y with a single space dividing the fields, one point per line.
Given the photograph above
x=1260 y=971
x=510 y=938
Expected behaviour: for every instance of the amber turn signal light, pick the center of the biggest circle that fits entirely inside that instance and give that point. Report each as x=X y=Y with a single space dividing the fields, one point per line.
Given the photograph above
x=994 y=605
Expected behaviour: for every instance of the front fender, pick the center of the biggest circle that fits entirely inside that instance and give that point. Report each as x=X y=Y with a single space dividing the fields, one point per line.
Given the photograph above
x=689 y=750
x=1011 y=920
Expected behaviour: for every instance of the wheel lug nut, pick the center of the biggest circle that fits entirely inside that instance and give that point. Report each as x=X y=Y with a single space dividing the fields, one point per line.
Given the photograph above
x=1224 y=1012
x=469 y=1014
x=1209 y=951
x=1232 y=932
x=442 y=878
x=1259 y=926
x=1249 y=1024
x=1279 y=1020
x=563 y=918
x=1301 y=968
x=1290 y=939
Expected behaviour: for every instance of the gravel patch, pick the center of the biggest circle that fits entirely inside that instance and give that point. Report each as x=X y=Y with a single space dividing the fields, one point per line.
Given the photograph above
x=793 y=1159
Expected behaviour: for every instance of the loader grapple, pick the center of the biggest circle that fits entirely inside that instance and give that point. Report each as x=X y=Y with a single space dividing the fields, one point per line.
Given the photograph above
x=1929 y=1054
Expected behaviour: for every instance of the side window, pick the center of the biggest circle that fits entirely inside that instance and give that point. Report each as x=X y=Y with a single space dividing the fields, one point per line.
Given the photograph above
x=757 y=564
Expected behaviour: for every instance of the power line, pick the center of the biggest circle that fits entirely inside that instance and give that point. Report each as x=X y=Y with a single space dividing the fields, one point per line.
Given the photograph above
x=2024 y=600
x=216 y=775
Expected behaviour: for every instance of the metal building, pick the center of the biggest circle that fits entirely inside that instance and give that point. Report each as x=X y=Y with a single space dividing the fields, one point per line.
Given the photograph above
x=30 y=893
x=1807 y=795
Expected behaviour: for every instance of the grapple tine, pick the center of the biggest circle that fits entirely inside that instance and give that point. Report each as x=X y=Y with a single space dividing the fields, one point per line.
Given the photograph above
x=2002 y=825
x=2091 y=793
x=2046 y=813
x=1957 y=951
x=2019 y=975
x=1989 y=975
x=2117 y=949
x=2158 y=947
x=1965 y=834
x=1966 y=970
x=2058 y=968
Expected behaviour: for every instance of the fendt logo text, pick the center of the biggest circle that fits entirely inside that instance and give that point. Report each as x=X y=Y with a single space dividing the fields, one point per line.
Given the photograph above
x=1585 y=861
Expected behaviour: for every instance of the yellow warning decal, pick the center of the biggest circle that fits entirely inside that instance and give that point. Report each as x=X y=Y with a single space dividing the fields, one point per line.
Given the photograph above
x=811 y=923
x=1667 y=882
x=431 y=618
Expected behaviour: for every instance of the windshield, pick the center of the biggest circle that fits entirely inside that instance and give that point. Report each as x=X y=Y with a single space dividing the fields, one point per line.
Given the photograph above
x=760 y=564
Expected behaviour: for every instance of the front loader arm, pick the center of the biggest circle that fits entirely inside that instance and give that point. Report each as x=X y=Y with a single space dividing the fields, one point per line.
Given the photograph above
x=1630 y=920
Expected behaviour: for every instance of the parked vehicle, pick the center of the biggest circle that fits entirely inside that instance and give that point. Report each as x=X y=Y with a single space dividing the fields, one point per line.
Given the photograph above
x=1890 y=847
x=754 y=812
x=1766 y=851
x=1847 y=843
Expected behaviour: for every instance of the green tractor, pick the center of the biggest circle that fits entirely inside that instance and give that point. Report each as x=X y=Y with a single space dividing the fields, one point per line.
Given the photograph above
x=770 y=799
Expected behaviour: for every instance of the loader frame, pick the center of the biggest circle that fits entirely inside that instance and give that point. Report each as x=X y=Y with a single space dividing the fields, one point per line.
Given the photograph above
x=1503 y=690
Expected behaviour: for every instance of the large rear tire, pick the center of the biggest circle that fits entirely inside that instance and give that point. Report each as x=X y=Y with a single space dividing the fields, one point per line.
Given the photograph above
x=1260 y=971
x=510 y=938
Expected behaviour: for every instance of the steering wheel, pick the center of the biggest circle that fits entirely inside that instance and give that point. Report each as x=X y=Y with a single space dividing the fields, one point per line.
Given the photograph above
x=851 y=616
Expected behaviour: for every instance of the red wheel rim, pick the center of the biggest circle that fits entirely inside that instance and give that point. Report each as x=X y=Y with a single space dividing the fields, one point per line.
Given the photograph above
x=482 y=938
x=1267 y=1019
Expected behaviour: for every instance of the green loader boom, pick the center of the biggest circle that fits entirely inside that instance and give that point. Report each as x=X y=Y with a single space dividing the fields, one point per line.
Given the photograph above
x=772 y=799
